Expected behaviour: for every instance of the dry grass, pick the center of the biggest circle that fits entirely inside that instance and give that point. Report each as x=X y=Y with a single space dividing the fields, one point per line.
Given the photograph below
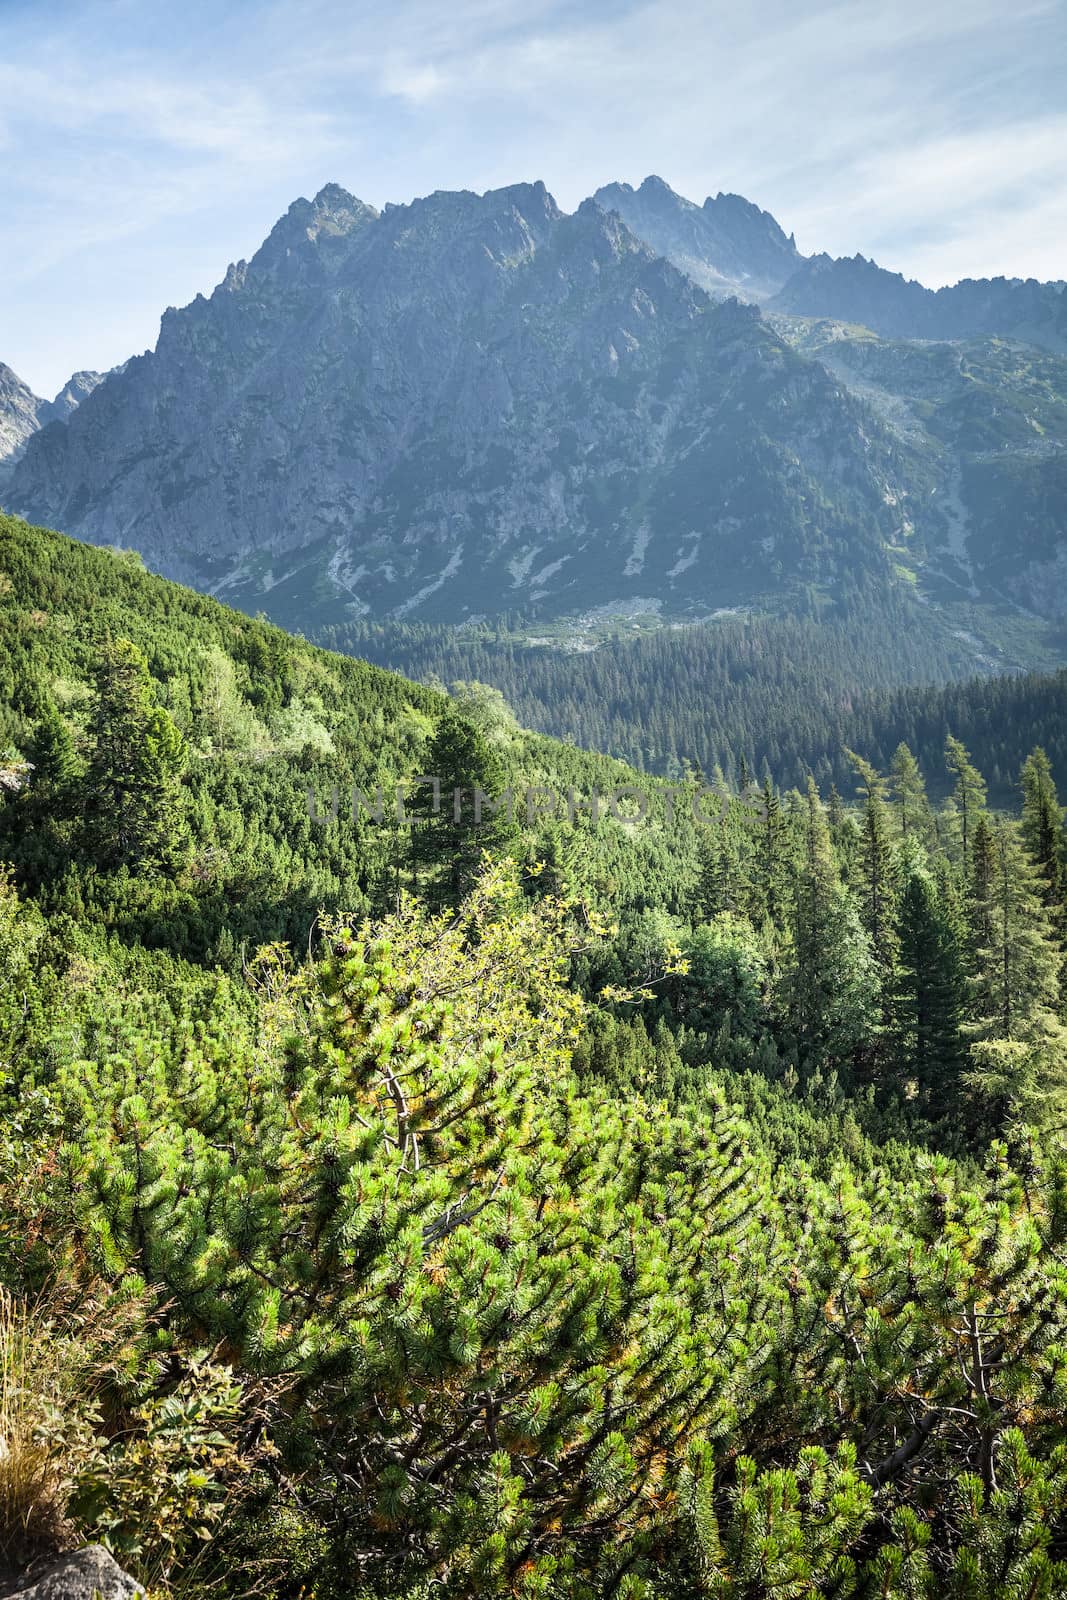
x=52 y=1356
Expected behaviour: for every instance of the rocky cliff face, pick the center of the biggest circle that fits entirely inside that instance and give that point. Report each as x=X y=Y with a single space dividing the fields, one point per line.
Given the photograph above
x=22 y=412
x=987 y=418
x=727 y=245
x=475 y=404
x=77 y=388
x=859 y=291
x=466 y=405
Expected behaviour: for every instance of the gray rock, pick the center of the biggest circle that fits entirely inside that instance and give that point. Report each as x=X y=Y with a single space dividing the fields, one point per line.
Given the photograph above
x=727 y=245
x=467 y=405
x=78 y=387
x=88 y=1574
x=853 y=289
x=475 y=404
x=20 y=414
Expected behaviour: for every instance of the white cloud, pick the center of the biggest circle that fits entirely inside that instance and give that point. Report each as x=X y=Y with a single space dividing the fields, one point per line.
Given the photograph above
x=413 y=83
x=978 y=205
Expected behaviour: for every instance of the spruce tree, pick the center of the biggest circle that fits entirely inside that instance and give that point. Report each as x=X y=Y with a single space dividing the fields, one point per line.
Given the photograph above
x=1043 y=827
x=56 y=766
x=876 y=866
x=467 y=815
x=969 y=795
x=1020 y=1050
x=830 y=984
x=769 y=870
x=929 y=995
x=979 y=890
x=134 y=812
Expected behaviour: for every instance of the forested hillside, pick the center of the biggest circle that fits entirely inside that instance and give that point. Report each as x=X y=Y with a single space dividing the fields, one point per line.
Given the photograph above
x=647 y=1207
x=785 y=697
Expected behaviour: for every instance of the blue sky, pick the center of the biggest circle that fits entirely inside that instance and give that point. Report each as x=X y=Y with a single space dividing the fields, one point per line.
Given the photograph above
x=143 y=146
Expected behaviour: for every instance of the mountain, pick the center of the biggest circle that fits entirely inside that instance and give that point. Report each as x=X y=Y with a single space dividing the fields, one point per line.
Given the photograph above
x=22 y=412
x=989 y=417
x=475 y=405
x=727 y=245
x=853 y=289
x=466 y=405
x=77 y=388
x=730 y=247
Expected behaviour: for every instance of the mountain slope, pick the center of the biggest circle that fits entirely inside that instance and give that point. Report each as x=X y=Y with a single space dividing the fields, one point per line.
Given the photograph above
x=264 y=716
x=22 y=412
x=853 y=289
x=466 y=405
x=990 y=418
x=727 y=245
x=474 y=405
x=730 y=247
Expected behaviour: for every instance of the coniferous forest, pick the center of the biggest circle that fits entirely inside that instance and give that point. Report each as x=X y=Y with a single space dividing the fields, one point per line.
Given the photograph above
x=785 y=695
x=651 y=1199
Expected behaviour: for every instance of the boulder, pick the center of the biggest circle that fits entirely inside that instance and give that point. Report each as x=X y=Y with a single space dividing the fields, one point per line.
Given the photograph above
x=88 y=1574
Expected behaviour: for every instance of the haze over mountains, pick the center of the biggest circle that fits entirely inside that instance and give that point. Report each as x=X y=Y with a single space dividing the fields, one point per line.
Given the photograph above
x=473 y=405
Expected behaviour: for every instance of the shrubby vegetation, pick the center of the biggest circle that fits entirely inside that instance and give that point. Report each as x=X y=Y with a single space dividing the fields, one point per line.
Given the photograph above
x=645 y=1209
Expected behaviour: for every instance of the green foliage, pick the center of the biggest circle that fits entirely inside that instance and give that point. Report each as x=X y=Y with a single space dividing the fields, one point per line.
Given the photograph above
x=155 y=1492
x=132 y=802
x=653 y=1208
x=787 y=694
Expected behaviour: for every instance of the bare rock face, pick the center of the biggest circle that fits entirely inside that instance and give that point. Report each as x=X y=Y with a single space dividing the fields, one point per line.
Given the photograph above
x=469 y=405
x=78 y=387
x=20 y=414
x=88 y=1574
x=727 y=245
x=476 y=405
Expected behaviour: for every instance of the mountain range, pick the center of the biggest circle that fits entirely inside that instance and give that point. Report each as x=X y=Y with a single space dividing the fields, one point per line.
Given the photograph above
x=476 y=405
x=729 y=246
x=22 y=412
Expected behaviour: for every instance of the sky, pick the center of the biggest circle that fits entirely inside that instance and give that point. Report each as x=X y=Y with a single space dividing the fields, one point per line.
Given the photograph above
x=145 y=145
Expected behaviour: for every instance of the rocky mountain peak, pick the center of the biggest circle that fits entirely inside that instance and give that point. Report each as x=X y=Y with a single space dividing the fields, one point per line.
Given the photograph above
x=467 y=403
x=78 y=387
x=727 y=245
x=312 y=235
x=22 y=413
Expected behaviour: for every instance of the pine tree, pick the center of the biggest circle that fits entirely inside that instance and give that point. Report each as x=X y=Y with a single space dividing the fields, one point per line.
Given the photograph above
x=910 y=791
